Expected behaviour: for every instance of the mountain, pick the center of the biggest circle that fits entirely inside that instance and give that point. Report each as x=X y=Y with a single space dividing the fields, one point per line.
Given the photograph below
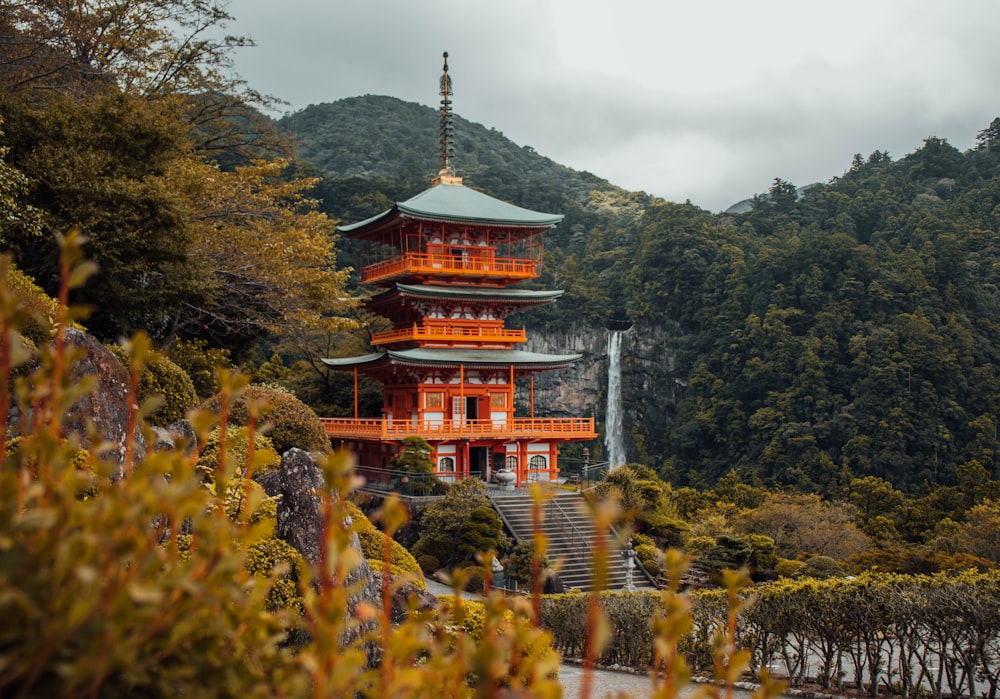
x=381 y=137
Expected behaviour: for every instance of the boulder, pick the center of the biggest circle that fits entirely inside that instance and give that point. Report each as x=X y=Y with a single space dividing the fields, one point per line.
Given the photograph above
x=98 y=420
x=301 y=523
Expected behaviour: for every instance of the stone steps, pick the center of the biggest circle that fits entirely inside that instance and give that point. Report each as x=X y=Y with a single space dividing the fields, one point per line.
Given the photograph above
x=571 y=539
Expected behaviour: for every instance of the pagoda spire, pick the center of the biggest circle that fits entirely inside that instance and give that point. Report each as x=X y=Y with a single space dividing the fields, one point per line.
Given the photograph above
x=447 y=132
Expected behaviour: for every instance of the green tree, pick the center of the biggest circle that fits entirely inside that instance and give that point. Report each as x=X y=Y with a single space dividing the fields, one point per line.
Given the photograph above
x=442 y=525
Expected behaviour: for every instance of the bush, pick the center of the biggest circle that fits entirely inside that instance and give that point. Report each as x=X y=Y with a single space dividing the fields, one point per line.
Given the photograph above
x=787 y=568
x=520 y=561
x=163 y=379
x=240 y=481
x=200 y=362
x=428 y=564
x=460 y=525
x=291 y=422
x=94 y=604
x=820 y=567
x=41 y=310
x=273 y=556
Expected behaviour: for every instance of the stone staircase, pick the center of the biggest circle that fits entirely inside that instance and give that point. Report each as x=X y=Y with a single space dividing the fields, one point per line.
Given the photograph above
x=571 y=535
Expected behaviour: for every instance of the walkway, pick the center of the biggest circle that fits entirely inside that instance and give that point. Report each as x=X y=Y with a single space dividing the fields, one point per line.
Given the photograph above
x=611 y=683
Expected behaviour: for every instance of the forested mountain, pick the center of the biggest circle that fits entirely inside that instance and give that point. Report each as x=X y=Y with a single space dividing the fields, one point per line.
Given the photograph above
x=375 y=150
x=849 y=330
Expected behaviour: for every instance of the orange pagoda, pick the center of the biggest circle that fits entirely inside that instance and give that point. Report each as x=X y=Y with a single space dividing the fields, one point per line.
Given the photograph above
x=446 y=260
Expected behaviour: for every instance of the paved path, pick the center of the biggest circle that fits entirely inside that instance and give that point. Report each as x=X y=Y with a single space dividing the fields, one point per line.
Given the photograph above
x=609 y=683
x=606 y=683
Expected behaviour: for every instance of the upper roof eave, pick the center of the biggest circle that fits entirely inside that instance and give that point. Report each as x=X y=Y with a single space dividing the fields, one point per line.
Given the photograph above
x=455 y=203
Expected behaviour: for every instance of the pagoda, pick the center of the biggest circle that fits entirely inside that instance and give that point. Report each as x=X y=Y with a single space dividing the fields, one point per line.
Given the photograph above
x=445 y=261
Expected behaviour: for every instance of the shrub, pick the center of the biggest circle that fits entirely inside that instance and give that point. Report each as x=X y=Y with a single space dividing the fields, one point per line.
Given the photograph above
x=164 y=380
x=428 y=564
x=291 y=422
x=820 y=567
x=41 y=310
x=240 y=483
x=520 y=561
x=200 y=362
x=460 y=525
x=273 y=556
x=94 y=604
x=787 y=568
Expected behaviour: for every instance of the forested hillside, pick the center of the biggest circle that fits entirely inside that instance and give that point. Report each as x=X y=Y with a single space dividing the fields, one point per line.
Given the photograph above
x=849 y=331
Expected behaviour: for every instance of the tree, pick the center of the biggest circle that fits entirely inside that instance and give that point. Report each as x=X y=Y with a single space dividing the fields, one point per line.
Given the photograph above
x=980 y=534
x=15 y=213
x=98 y=163
x=262 y=253
x=874 y=499
x=414 y=457
x=989 y=138
x=443 y=525
x=804 y=524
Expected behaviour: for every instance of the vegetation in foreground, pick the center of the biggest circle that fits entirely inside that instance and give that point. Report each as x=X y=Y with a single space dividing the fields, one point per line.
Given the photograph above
x=150 y=577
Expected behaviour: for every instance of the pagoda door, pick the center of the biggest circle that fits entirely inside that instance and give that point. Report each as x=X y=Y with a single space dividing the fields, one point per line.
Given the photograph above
x=457 y=410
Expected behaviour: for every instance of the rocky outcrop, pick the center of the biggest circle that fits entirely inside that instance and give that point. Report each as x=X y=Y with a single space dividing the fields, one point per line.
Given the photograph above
x=105 y=408
x=301 y=523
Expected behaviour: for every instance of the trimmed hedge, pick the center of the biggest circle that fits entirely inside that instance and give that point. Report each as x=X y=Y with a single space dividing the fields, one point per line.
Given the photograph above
x=842 y=625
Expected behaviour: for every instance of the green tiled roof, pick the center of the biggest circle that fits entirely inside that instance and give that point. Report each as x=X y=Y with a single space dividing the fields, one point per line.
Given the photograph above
x=450 y=202
x=475 y=292
x=453 y=357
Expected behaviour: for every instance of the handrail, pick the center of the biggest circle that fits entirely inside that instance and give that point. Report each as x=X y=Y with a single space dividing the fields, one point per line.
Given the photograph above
x=381 y=428
x=554 y=501
x=423 y=263
x=452 y=332
x=503 y=517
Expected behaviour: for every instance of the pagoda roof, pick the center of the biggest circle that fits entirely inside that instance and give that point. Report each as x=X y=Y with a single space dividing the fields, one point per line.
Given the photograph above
x=430 y=356
x=474 y=293
x=454 y=203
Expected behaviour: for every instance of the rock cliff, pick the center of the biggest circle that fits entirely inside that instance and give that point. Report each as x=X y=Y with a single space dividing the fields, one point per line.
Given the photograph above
x=651 y=384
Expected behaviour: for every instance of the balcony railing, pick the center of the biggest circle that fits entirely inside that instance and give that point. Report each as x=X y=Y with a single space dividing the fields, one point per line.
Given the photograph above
x=567 y=428
x=451 y=332
x=427 y=265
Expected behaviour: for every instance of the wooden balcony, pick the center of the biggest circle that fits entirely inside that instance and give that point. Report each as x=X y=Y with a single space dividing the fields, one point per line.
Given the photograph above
x=565 y=429
x=425 y=266
x=480 y=333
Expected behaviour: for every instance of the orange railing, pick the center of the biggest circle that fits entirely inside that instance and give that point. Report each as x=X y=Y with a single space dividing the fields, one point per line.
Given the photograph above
x=423 y=264
x=520 y=427
x=451 y=332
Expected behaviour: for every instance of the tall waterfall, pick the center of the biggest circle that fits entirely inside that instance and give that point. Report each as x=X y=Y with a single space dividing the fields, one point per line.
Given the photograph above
x=613 y=438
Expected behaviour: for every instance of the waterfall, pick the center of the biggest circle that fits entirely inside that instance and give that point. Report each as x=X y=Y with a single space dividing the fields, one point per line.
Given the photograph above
x=613 y=440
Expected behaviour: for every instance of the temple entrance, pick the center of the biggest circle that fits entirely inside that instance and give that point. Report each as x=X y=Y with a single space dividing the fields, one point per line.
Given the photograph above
x=479 y=461
x=471 y=408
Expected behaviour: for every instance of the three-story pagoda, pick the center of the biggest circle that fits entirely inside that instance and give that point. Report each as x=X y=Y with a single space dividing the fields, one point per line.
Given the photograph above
x=446 y=260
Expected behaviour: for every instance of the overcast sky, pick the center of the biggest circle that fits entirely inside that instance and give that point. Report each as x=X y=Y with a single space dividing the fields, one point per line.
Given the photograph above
x=707 y=100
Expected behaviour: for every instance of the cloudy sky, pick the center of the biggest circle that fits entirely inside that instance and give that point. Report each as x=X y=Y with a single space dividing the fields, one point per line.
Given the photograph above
x=707 y=100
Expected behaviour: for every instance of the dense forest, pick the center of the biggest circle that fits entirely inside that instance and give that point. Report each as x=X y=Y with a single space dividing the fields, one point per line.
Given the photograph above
x=846 y=329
